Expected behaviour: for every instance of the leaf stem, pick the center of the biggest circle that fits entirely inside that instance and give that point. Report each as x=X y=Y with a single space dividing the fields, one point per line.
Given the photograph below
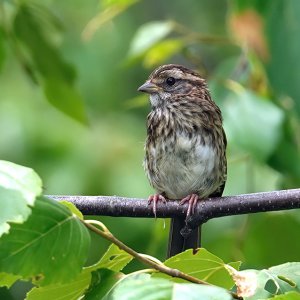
x=145 y=259
x=159 y=267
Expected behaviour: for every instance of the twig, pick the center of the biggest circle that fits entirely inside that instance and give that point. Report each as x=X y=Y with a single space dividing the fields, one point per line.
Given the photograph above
x=140 y=257
x=145 y=259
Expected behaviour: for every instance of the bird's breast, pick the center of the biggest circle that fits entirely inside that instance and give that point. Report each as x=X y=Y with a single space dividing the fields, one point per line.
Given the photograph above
x=183 y=164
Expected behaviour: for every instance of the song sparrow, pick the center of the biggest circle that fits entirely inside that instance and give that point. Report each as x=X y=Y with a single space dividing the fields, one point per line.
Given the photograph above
x=185 y=147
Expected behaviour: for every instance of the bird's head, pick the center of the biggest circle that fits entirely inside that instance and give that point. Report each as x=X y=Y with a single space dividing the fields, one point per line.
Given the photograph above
x=168 y=81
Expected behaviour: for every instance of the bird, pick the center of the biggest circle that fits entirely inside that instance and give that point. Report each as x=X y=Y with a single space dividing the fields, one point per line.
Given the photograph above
x=185 y=148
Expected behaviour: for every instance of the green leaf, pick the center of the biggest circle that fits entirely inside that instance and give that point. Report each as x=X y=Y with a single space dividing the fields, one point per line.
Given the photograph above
x=252 y=122
x=56 y=75
x=113 y=259
x=65 y=98
x=285 y=155
x=196 y=291
x=102 y=282
x=8 y=279
x=13 y=208
x=148 y=35
x=161 y=52
x=283 y=67
x=108 y=3
x=50 y=64
x=72 y=208
x=50 y=23
x=68 y=291
x=287 y=276
x=19 y=187
x=110 y=9
x=202 y=265
x=273 y=281
x=147 y=288
x=288 y=296
x=22 y=179
x=52 y=245
x=95 y=278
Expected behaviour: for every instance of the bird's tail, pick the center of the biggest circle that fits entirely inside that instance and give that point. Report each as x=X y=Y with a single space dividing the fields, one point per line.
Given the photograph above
x=179 y=243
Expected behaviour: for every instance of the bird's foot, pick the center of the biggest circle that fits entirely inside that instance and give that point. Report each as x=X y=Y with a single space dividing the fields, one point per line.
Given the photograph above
x=192 y=200
x=156 y=198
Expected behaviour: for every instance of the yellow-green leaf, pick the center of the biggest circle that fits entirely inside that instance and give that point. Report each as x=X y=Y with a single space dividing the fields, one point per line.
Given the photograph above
x=202 y=265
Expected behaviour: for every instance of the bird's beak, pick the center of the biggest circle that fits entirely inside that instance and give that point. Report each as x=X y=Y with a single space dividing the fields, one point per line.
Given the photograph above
x=148 y=87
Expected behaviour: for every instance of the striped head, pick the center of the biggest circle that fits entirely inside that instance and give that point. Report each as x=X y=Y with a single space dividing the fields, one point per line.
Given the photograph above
x=167 y=82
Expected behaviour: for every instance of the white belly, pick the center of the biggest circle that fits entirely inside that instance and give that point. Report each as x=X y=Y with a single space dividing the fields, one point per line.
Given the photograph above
x=187 y=169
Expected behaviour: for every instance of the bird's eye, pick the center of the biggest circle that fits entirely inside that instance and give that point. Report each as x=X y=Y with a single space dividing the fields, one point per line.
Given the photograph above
x=170 y=81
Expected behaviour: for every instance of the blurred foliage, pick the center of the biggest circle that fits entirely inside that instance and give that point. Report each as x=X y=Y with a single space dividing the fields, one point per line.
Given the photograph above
x=249 y=52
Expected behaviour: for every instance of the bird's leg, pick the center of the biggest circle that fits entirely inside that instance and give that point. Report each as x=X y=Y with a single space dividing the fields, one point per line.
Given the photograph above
x=156 y=198
x=192 y=199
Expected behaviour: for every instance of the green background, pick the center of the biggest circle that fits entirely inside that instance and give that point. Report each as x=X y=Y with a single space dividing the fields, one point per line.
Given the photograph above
x=87 y=139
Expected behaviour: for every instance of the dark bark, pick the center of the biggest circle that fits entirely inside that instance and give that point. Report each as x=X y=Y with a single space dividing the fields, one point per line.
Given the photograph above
x=206 y=209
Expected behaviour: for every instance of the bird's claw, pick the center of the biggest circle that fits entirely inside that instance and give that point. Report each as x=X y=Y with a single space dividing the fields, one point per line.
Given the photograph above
x=192 y=200
x=156 y=198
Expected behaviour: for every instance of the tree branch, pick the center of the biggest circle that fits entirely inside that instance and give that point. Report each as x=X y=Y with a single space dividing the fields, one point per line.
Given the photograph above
x=206 y=209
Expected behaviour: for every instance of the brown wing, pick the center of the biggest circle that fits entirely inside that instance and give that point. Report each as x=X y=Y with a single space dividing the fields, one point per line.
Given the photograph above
x=219 y=191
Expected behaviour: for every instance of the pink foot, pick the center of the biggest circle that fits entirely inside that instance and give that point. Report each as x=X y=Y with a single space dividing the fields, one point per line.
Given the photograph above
x=192 y=200
x=156 y=198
